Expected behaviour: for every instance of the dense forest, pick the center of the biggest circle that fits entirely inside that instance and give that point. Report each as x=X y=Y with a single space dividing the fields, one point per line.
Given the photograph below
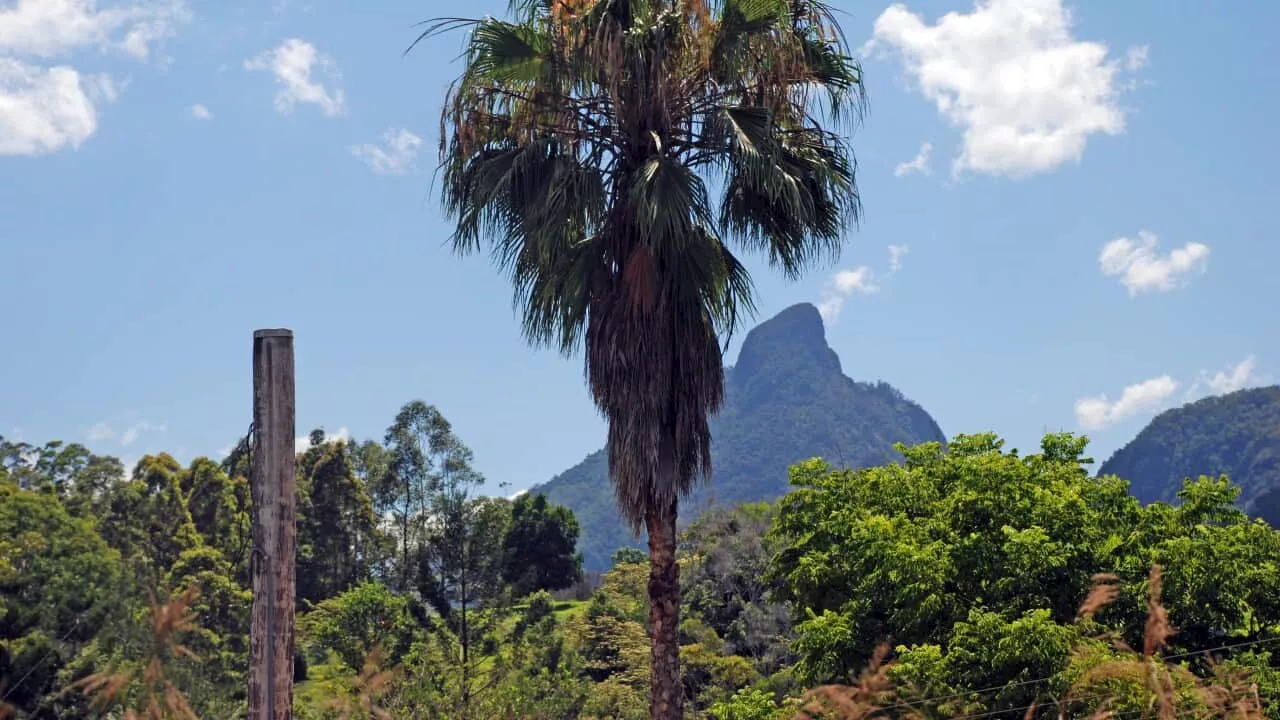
x=420 y=599
x=786 y=398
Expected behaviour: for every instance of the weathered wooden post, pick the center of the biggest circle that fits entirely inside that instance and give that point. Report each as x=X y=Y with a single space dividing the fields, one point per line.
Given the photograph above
x=272 y=485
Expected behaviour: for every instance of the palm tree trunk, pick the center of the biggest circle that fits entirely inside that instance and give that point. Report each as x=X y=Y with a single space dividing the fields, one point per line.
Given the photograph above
x=666 y=699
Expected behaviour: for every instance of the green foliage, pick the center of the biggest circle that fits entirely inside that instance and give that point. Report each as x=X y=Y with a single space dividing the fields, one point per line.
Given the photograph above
x=725 y=586
x=972 y=559
x=625 y=555
x=975 y=560
x=354 y=623
x=220 y=613
x=57 y=583
x=338 y=542
x=746 y=705
x=539 y=548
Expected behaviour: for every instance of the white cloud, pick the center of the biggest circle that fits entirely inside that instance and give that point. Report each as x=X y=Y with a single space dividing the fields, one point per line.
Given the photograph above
x=1237 y=378
x=48 y=28
x=128 y=436
x=1097 y=412
x=918 y=164
x=292 y=64
x=1243 y=374
x=395 y=156
x=47 y=107
x=1027 y=94
x=1137 y=57
x=896 y=253
x=302 y=444
x=859 y=280
x=100 y=432
x=1141 y=268
x=131 y=433
x=200 y=112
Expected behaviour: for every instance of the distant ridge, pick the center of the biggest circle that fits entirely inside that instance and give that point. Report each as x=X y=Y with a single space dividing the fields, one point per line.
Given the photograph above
x=1237 y=434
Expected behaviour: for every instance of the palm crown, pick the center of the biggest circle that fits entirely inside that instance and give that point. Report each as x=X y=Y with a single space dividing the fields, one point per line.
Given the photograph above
x=612 y=155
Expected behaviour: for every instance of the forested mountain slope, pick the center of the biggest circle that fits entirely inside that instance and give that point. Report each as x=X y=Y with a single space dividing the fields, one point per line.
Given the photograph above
x=787 y=400
x=1237 y=434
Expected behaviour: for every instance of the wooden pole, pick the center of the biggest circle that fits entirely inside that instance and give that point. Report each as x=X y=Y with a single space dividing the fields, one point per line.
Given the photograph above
x=272 y=486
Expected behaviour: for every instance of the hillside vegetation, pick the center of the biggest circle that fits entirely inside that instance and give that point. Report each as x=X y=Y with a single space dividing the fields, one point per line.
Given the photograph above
x=1237 y=434
x=787 y=400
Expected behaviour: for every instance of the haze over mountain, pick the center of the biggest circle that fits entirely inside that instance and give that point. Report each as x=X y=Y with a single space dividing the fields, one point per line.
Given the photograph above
x=787 y=399
x=1237 y=434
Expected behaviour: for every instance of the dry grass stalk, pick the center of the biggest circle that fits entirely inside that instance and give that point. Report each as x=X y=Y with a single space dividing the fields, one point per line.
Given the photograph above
x=1228 y=695
x=866 y=700
x=1105 y=590
x=367 y=688
x=162 y=699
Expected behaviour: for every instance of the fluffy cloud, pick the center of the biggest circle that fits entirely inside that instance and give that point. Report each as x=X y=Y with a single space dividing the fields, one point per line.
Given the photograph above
x=1237 y=378
x=859 y=281
x=1027 y=93
x=48 y=28
x=46 y=107
x=896 y=253
x=917 y=164
x=396 y=154
x=200 y=112
x=292 y=64
x=128 y=436
x=1093 y=413
x=1141 y=268
x=1243 y=374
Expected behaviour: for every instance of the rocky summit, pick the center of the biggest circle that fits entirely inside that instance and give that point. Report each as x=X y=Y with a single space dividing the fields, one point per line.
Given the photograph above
x=786 y=399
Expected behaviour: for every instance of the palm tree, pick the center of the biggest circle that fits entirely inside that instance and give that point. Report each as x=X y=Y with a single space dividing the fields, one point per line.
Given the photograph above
x=607 y=153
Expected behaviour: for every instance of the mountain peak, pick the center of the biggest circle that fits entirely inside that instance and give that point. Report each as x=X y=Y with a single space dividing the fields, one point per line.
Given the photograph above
x=793 y=337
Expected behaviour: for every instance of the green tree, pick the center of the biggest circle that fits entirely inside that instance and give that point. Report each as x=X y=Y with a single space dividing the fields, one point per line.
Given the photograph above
x=726 y=584
x=337 y=529
x=357 y=621
x=975 y=561
x=219 y=507
x=147 y=519
x=462 y=568
x=583 y=141
x=57 y=582
x=421 y=449
x=539 y=551
x=627 y=555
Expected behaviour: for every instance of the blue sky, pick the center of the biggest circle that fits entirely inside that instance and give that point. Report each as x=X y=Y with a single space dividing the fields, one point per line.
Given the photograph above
x=1088 y=240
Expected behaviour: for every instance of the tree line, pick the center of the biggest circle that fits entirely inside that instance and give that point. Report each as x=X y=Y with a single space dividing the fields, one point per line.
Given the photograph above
x=1005 y=586
x=83 y=542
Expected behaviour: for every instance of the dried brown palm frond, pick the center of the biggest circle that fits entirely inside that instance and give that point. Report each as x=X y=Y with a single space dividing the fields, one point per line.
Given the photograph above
x=161 y=699
x=366 y=689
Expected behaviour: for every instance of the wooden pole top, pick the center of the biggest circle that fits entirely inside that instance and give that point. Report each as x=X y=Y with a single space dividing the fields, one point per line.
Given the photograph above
x=272 y=332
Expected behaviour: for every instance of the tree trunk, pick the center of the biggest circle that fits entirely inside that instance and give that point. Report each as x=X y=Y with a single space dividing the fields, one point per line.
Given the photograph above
x=666 y=699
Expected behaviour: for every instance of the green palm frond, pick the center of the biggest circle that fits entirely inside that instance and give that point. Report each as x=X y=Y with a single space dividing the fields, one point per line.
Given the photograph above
x=580 y=148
